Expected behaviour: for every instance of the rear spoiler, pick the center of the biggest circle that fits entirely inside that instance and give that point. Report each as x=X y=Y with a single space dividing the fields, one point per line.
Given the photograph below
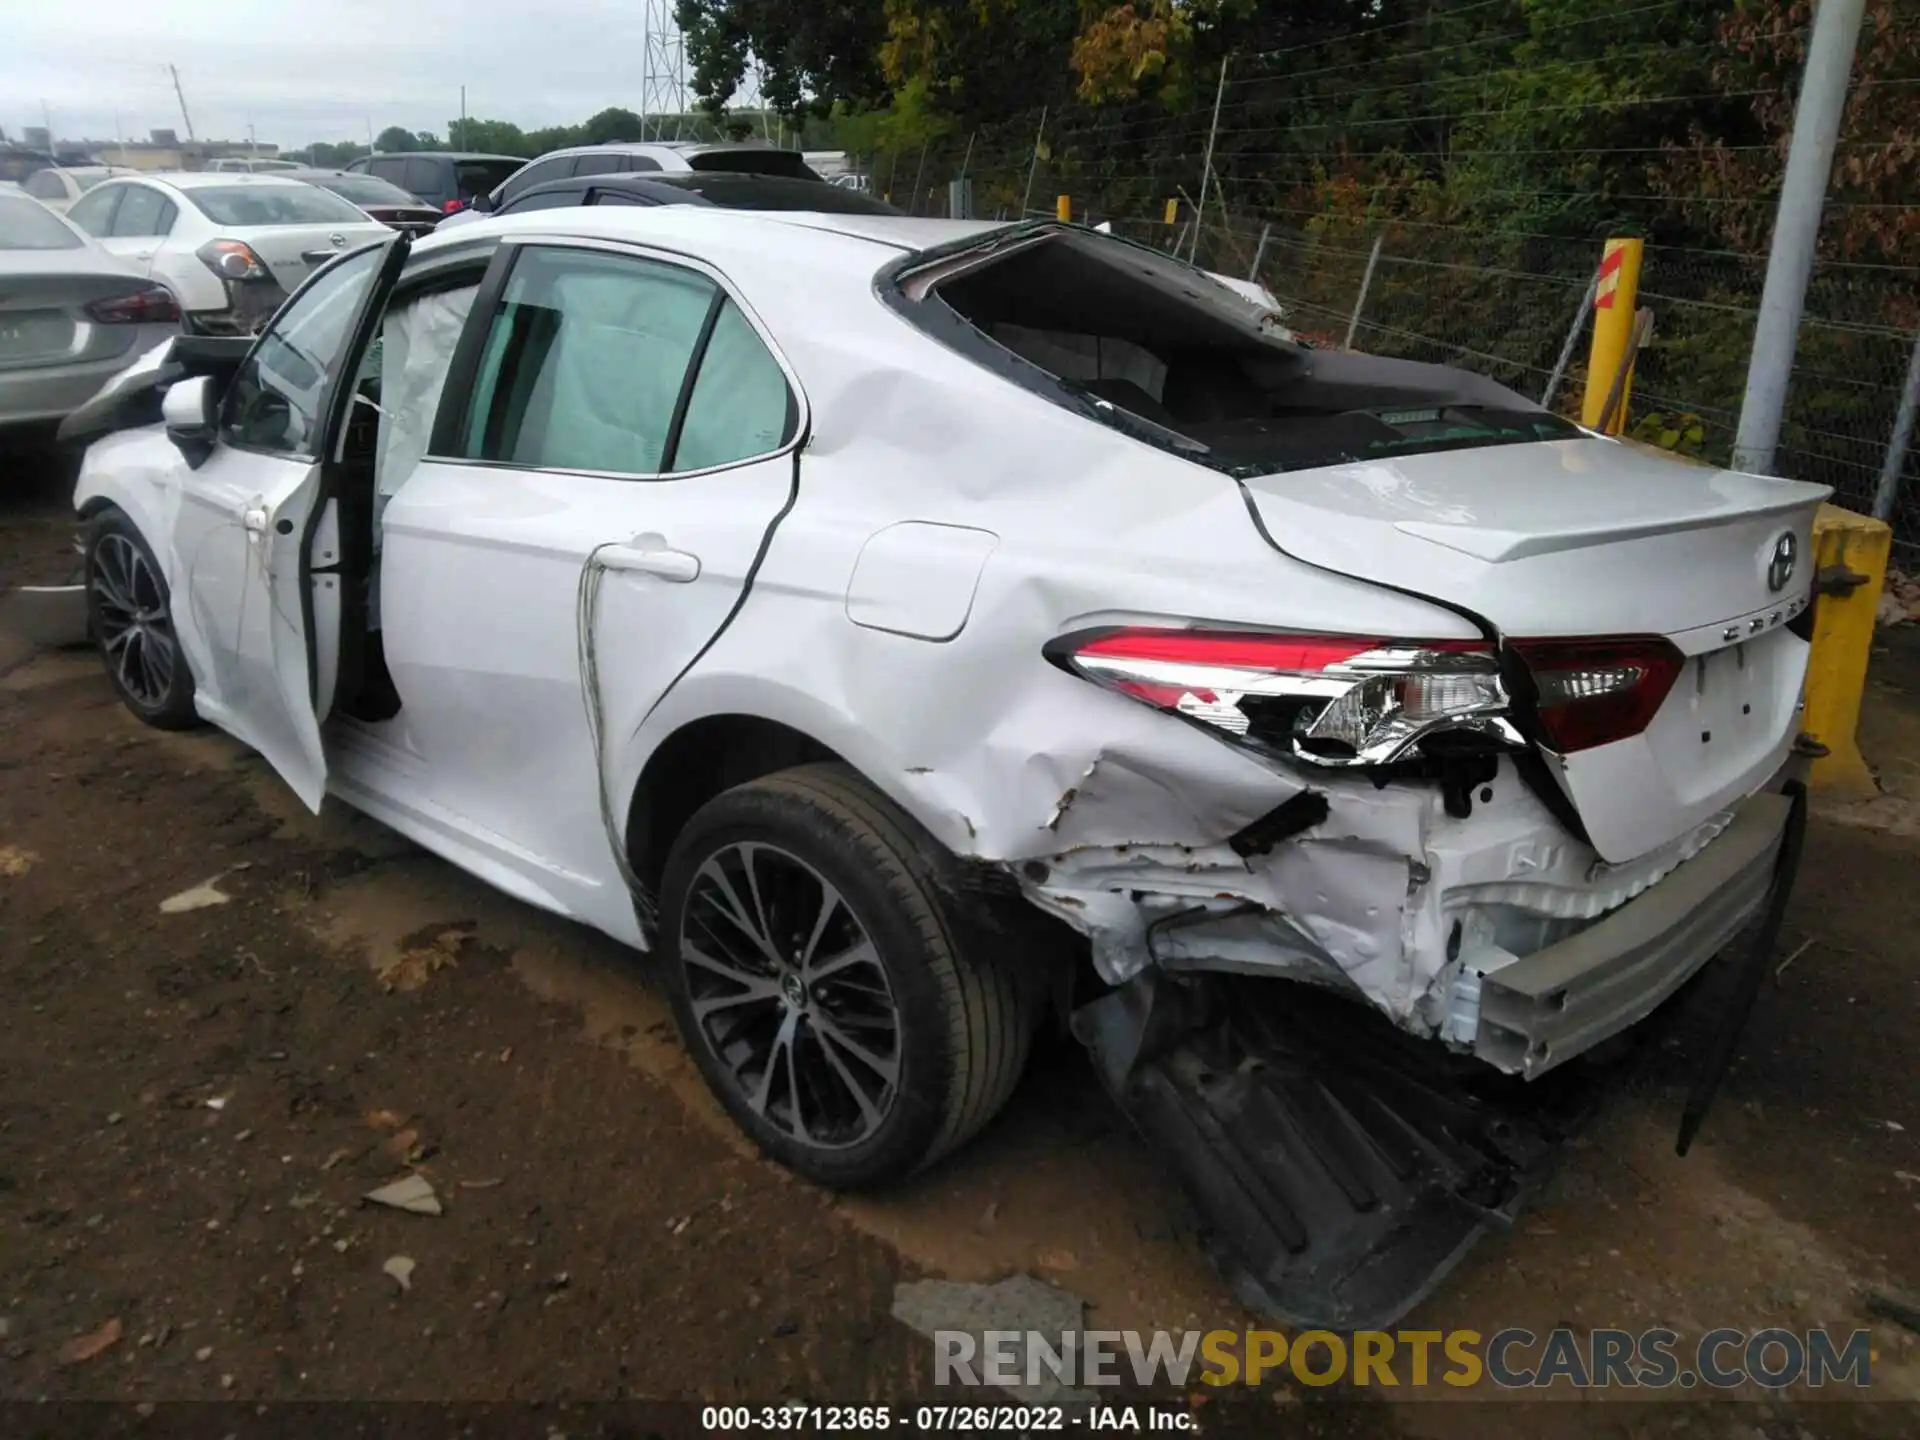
x=131 y=399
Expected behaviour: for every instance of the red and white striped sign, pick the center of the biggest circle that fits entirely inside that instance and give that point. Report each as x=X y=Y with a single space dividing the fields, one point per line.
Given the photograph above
x=1610 y=264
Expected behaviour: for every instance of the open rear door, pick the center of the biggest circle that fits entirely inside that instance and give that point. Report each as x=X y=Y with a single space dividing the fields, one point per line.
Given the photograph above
x=258 y=595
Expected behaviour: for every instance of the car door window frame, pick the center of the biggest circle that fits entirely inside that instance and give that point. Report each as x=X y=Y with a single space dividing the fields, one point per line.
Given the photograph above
x=322 y=441
x=456 y=398
x=166 y=211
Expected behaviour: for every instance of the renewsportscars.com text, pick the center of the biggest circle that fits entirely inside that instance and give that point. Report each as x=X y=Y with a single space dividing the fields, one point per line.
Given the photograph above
x=1512 y=1359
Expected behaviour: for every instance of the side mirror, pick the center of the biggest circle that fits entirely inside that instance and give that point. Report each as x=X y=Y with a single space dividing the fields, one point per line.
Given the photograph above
x=190 y=414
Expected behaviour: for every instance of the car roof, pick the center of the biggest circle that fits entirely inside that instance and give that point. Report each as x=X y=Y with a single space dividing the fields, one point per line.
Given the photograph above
x=442 y=155
x=204 y=179
x=853 y=237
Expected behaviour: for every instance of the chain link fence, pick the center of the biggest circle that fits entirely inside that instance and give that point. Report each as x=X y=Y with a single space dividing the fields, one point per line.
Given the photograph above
x=1498 y=303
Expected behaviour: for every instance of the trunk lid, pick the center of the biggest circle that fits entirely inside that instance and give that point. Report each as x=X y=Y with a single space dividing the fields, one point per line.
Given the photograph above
x=292 y=252
x=1588 y=537
x=43 y=318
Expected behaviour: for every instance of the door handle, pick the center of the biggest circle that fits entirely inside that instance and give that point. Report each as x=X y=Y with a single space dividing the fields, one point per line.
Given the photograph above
x=674 y=565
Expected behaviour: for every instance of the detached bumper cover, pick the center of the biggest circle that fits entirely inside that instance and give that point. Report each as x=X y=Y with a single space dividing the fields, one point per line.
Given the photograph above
x=1541 y=1011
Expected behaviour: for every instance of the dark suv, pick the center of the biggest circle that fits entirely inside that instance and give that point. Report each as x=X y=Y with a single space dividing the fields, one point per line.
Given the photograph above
x=446 y=179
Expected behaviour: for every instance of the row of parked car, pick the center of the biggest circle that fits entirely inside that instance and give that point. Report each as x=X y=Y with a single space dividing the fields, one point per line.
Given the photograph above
x=116 y=258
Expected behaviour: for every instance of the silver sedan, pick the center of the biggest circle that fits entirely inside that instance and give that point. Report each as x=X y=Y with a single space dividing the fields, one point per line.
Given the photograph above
x=71 y=315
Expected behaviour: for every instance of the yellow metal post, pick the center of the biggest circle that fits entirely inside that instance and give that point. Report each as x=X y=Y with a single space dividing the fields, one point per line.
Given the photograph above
x=1613 y=312
x=1845 y=546
x=1063 y=207
x=1173 y=212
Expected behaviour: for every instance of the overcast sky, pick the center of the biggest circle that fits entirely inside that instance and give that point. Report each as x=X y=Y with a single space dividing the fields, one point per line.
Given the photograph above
x=304 y=70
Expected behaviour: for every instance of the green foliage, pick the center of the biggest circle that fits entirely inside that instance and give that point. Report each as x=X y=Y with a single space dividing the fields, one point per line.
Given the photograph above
x=1683 y=433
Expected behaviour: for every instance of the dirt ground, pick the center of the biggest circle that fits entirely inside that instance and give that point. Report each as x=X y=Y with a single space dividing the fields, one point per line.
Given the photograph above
x=192 y=1106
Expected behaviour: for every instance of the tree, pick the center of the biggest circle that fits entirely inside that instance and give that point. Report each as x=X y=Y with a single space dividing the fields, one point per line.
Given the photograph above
x=493 y=137
x=807 y=55
x=613 y=123
x=394 y=141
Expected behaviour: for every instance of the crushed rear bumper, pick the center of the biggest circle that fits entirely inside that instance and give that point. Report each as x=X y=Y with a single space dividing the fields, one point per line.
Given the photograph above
x=1540 y=1011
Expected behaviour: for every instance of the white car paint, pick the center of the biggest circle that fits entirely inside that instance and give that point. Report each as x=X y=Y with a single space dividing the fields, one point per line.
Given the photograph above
x=58 y=186
x=168 y=248
x=886 y=585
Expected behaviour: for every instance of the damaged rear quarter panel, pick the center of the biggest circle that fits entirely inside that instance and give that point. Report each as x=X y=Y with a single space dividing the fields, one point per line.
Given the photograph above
x=1002 y=756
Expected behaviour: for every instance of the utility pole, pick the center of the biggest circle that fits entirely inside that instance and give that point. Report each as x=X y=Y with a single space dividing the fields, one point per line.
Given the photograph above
x=181 y=96
x=463 y=120
x=1796 y=230
x=1206 y=166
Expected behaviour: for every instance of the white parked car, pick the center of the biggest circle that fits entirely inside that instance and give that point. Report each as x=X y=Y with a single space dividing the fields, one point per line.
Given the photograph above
x=230 y=247
x=58 y=186
x=903 y=627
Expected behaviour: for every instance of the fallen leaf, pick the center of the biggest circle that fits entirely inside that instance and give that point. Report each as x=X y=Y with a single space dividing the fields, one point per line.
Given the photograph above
x=414 y=967
x=83 y=1348
x=412 y=1194
x=401 y=1142
x=385 y=1120
x=335 y=1158
x=1059 y=1260
x=15 y=862
x=400 y=1267
x=201 y=897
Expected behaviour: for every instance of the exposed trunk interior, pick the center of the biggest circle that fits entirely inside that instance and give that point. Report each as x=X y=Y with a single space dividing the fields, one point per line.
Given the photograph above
x=1131 y=336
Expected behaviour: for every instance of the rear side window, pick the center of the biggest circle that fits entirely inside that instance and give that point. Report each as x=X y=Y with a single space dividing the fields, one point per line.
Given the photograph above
x=626 y=366
x=45 y=185
x=27 y=225
x=584 y=363
x=143 y=212
x=600 y=165
x=480 y=177
x=740 y=406
x=393 y=170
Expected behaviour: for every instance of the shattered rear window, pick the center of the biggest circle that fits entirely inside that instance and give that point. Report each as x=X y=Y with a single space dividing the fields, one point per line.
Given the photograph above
x=1160 y=351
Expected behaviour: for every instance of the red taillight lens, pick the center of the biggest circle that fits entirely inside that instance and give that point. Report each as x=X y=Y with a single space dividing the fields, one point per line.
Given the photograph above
x=1333 y=699
x=1596 y=691
x=154 y=305
x=453 y=207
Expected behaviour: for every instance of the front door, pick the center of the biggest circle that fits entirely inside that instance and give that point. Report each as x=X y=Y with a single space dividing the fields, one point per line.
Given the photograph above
x=598 y=491
x=257 y=587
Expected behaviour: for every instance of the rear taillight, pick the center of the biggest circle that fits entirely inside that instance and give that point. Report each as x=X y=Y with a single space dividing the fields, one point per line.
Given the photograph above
x=154 y=305
x=233 y=260
x=1330 y=699
x=453 y=207
x=1595 y=691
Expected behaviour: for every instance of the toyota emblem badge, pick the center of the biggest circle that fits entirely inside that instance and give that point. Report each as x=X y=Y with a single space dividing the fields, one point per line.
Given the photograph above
x=1786 y=556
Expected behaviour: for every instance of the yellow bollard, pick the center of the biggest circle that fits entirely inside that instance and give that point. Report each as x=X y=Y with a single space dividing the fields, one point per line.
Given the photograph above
x=1845 y=546
x=1063 y=207
x=1613 y=307
x=1173 y=212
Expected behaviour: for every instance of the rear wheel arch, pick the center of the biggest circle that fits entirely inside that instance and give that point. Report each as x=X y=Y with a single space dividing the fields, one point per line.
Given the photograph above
x=702 y=759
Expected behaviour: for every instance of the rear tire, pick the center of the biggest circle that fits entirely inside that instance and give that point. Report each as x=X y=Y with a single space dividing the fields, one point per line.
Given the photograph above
x=130 y=617
x=789 y=1012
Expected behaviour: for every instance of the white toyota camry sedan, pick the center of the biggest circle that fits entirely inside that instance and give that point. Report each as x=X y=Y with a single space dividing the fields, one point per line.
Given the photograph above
x=908 y=629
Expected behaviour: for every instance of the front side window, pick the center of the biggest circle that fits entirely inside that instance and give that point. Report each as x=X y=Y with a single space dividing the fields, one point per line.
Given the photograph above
x=278 y=398
x=557 y=168
x=584 y=363
x=93 y=212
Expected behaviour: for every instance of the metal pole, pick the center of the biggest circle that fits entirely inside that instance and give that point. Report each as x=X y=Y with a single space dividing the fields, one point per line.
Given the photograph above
x=1887 y=494
x=919 y=173
x=967 y=159
x=1796 y=228
x=1260 y=251
x=1573 y=339
x=1027 y=194
x=1206 y=168
x=1366 y=284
